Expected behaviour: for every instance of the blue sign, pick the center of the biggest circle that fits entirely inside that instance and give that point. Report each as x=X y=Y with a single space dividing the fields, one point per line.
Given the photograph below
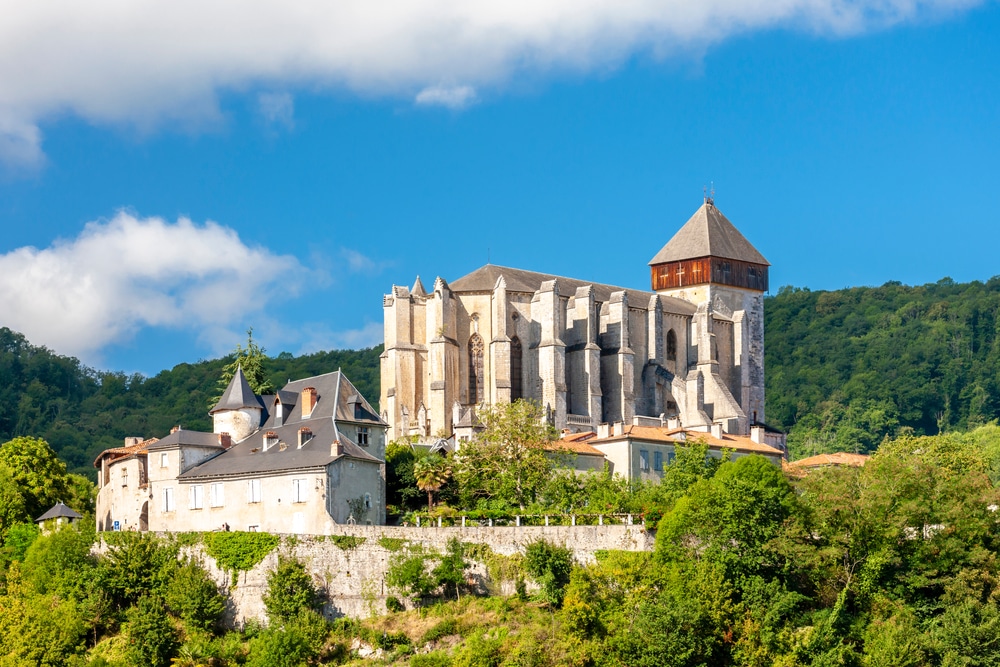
x=116 y=526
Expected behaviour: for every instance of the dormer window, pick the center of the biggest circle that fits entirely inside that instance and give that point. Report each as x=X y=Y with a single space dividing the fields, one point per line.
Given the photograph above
x=279 y=412
x=270 y=440
x=305 y=435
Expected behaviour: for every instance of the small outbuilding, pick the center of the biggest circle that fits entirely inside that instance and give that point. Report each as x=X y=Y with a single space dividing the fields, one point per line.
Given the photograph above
x=61 y=513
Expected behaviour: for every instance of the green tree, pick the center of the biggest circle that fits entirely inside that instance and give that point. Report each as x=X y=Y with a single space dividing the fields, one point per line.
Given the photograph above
x=431 y=473
x=251 y=359
x=449 y=573
x=193 y=596
x=401 y=485
x=550 y=566
x=152 y=640
x=290 y=590
x=38 y=473
x=506 y=462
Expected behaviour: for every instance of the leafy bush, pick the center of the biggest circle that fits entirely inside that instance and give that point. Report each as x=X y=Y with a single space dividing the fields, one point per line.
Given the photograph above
x=150 y=633
x=393 y=604
x=432 y=659
x=551 y=567
x=290 y=591
x=449 y=626
x=194 y=597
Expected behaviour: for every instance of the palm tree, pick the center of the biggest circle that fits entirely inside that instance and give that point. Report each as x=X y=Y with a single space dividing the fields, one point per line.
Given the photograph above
x=432 y=472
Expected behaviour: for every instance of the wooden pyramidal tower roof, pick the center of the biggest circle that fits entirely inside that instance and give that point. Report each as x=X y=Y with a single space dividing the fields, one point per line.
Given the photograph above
x=708 y=234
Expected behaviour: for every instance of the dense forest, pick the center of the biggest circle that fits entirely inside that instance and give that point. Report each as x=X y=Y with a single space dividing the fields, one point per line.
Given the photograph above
x=845 y=369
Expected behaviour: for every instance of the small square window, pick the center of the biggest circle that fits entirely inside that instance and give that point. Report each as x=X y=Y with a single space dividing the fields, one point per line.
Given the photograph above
x=363 y=436
x=164 y=460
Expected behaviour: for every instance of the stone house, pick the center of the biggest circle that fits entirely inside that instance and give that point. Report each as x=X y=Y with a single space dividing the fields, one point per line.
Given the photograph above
x=691 y=348
x=303 y=460
x=642 y=451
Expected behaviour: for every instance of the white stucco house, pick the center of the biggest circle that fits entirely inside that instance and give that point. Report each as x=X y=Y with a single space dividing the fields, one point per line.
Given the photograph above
x=303 y=460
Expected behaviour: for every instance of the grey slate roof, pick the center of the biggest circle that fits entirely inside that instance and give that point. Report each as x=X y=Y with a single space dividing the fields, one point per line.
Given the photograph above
x=484 y=279
x=708 y=233
x=59 y=510
x=237 y=395
x=188 y=438
x=337 y=400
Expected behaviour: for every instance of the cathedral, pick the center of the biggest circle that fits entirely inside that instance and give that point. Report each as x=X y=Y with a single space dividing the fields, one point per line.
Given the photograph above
x=688 y=353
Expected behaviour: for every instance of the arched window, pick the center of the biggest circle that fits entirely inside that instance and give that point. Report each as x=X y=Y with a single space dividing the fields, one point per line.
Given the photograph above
x=671 y=346
x=515 y=369
x=476 y=373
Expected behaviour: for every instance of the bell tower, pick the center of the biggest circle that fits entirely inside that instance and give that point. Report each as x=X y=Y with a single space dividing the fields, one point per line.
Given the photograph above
x=710 y=264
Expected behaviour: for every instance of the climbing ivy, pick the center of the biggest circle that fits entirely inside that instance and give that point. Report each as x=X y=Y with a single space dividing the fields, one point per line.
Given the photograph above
x=392 y=544
x=346 y=542
x=239 y=551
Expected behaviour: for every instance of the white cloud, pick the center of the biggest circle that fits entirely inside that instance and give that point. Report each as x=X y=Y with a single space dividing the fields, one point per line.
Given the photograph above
x=80 y=295
x=145 y=62
x=453 y=97
x=359 y=263
x=277 y=108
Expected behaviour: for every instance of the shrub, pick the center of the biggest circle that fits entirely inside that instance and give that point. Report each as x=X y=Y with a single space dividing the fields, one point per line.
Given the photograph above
x=152 y=637
x=550 y=566
x=346 y=542
x=280 y=647
x=393 y=604
x=290 y=591
x=194 y=597
x=446 y=627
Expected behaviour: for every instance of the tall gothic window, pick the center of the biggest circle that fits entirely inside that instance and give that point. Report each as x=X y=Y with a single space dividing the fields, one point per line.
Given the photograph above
x=671 y=346
x=476 y=373
x=515 y=368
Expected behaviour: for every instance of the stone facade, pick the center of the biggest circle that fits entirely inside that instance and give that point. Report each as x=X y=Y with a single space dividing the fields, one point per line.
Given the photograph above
x=692 y=350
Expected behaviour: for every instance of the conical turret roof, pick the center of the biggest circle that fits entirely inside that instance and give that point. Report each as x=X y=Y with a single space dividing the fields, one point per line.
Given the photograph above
x=708 y=234
x=237 y=395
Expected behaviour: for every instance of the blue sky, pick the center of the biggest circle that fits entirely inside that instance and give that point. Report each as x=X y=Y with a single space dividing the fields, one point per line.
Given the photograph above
x=152 y=211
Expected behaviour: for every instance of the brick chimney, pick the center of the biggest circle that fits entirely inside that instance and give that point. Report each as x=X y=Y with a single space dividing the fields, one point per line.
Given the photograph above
x=305 y=435
x=308 y=401
x=336 y=449
x=225 y=440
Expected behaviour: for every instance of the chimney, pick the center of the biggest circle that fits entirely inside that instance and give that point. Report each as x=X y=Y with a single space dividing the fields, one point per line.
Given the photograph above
x=336 y=449
x=757 y=434
x=717 y=431
x=618 y=428
x=225 y=440
x=603 y=430
x=132 y=440
x=175 y=429
x=308 y=401
x=270 y=440
x=673 y=423
x=305 y=435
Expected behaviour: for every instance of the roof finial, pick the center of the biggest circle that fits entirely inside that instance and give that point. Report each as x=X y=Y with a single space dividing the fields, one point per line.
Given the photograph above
x=709 y=194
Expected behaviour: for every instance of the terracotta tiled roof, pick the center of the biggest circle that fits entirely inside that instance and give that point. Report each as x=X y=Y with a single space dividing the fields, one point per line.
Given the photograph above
x=575 y=446
x=578 y=437
x=121 y=452
x=740 y=443
x=837 y=459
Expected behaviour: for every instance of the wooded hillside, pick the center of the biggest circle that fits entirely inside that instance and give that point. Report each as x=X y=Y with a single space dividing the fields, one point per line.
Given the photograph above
x=846 y=368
